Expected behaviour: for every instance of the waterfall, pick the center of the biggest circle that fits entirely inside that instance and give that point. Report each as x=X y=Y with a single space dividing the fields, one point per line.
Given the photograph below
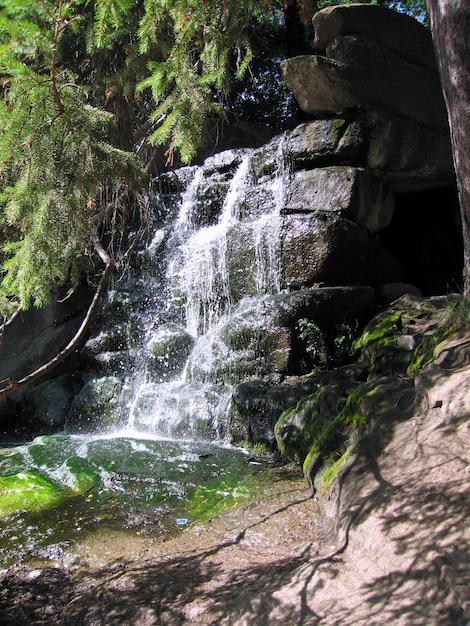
x=203 y=275
x=206 y=275
x=221 y=245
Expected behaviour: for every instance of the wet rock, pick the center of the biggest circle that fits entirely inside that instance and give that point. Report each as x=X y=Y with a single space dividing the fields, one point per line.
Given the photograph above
x=169 y=349
x=98 y=406
x=258 y=405
x=49 y=402
x=261 y=337
x=407 y=156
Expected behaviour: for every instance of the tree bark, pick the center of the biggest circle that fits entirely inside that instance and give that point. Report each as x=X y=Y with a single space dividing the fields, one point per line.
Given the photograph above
x=450 y=27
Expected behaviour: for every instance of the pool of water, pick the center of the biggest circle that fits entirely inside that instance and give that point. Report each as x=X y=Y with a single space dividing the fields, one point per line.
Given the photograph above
x=56 y=490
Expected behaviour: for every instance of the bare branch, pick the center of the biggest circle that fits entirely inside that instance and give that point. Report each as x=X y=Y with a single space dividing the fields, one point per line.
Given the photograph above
x=8 y=386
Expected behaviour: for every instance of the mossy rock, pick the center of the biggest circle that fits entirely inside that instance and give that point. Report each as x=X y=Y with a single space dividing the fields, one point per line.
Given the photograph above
x=300 y=426
x=168 y=350
x=115 y=309
x=98 y=406
x=49 y=402
x=109 y=340
x=374 y=401
x=404 y=338
x=32 y=491
x=249 y=344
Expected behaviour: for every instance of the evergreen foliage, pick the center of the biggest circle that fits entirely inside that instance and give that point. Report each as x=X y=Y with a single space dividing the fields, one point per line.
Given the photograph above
x=57 y=162
x=91 y=93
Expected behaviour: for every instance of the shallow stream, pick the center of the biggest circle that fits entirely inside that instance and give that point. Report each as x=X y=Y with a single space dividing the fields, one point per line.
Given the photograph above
x=57 y=490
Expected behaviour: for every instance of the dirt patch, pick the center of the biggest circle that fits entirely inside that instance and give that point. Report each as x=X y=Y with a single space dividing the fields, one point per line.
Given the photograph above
x=391 y=545
x=223 y=566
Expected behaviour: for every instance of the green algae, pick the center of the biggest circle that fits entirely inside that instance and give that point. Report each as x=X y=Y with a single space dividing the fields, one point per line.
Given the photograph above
x=75 y=486
x=29 y=491
x=220 y=494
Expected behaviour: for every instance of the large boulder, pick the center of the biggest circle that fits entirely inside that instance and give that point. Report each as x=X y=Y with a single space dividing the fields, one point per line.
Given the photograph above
x=257 y=405
x=168 y=351
x=395 y=31
x=405 y=155
x=37 y=335
x=329 y=85
x=49 y=403
x=349 y=191
x=369 y=57
x=322 y=248
x=99 y=406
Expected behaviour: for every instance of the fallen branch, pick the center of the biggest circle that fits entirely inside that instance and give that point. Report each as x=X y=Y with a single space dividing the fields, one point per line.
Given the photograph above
x=9 y=386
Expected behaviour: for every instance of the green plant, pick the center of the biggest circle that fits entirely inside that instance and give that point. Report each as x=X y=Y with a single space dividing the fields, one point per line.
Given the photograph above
x=326 y=349
x=454 y=319
x=314 y=340
x=59 y=172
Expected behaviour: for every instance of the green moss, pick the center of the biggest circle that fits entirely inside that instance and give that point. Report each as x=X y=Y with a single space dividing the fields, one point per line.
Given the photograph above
x=325 y=442
x=255 y=448
x=220 y=494
x=29 y=491
x=381 y=331
x=294 y=438
x=98 y=405
x=78 y=475
x=336 y=468
x=337 y=126
x=338 y=440
x=424 y=354
x=454 y=319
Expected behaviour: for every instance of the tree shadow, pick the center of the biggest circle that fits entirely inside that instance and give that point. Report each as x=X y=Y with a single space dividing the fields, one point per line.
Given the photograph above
x=167 y=590
x=411 y=476
x=408 y=487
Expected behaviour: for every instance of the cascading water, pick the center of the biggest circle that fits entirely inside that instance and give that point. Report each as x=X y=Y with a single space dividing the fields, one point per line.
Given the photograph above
x=161 y=395
x=213 y=259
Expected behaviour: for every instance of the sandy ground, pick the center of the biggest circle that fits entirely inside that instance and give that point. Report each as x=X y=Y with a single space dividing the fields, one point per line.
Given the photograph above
x=388 y=544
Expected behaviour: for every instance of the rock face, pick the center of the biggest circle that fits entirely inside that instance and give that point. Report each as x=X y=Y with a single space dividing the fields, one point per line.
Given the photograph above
x=325 y=429
x=261 y=261
x=378 y=66
x=398 y=515
x=364 y=61
x=33 y=338
x=397 y=32
x=400 y=153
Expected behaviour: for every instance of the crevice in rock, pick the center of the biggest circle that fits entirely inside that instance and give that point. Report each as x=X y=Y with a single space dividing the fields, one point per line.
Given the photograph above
x=425 y=236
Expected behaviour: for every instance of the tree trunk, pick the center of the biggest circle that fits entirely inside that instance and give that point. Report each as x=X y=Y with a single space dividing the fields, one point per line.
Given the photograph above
x=450 y=26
